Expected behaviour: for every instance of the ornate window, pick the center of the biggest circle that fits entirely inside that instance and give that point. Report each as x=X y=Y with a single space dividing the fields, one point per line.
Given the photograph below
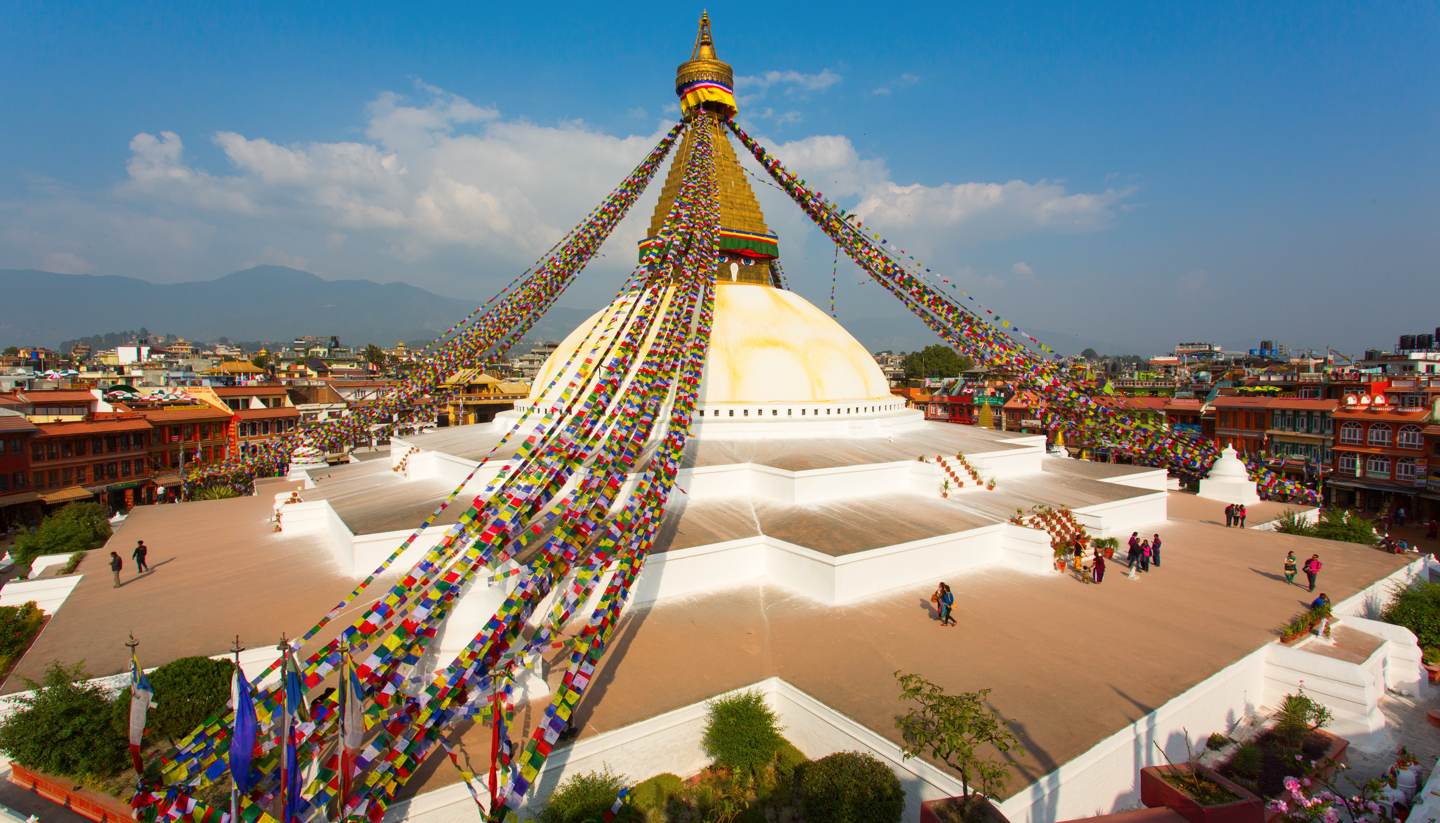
x=1408 y=437
x=1349 y=463
x=1377 y=465
x=1406 y=469
x=1350 y=433
x=1379 y=434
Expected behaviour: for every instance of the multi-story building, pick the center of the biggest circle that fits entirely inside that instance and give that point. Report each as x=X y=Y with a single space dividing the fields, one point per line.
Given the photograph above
x=58 y=405
x=476 y=397
x=184 y=435
x=1301 y=435
x=1380 y=457
x=18 y=501
x=102 y=458
x=262 y=411
x=1241 y=422
x=1430 y=497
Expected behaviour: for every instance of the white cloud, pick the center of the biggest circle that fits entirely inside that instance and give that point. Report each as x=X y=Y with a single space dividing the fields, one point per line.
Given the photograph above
x=1022 y=269
x=997 y=208
x=788 y=82
x=66 y=262
x=904 y=81
x=451 y=195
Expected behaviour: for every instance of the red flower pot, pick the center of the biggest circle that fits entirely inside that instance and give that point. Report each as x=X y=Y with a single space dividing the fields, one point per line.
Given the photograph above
x=1156 y=791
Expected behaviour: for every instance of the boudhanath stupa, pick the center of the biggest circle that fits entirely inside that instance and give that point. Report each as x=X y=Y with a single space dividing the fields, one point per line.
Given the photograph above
x=814 y=514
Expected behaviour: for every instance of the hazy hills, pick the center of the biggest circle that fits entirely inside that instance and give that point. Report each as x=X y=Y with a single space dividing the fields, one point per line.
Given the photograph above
x=262 y=303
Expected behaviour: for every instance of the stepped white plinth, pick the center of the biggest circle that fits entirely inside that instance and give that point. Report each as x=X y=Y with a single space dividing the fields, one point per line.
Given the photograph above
x=1228 y=481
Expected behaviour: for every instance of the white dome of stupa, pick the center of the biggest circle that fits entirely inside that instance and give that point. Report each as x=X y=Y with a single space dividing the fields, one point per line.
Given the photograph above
x=772 y=353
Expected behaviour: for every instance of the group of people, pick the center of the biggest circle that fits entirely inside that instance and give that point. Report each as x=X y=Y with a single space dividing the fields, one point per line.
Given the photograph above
x=1311 y=568
x=1143 y=553
x=944 y=602
x=140 y=554
x=1235 y=515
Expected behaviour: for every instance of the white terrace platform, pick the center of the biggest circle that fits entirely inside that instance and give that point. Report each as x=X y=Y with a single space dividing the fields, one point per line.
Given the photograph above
x=835 y=519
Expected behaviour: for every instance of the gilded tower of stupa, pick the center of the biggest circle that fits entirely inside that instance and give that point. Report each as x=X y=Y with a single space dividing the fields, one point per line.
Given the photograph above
x=706 y=84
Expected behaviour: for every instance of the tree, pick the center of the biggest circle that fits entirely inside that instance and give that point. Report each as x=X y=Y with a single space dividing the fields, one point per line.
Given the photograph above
x=78 y=527
x=64 y=727
x=375 y=356
x=851 y=787
x=935 y=361
x=742 y=733
x=11 y=351
x=1090 y=354
x=261 y=361
x=188 y=691
x=955 y=729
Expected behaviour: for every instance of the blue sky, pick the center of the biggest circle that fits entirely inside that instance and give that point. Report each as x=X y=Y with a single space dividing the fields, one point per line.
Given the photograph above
x=1121 y=175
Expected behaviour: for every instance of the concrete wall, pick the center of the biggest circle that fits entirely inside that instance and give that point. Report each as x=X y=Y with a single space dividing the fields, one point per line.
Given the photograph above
x=48 y=593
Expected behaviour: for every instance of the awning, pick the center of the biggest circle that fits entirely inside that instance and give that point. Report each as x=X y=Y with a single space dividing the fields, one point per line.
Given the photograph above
x=16 y=499
x=68 y=495
x=167 y=479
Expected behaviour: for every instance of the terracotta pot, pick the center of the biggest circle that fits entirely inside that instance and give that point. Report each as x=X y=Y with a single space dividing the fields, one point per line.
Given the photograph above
x=1433 y=672
x=952 y=809
x=1329 y=762
x=1155 y=791
x=89 y=804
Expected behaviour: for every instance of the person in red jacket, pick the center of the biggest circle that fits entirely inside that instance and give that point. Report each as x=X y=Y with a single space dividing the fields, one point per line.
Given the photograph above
x=1312 y=569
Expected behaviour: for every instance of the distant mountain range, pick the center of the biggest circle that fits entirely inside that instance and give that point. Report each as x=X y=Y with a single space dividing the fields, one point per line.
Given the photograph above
x=262 y=303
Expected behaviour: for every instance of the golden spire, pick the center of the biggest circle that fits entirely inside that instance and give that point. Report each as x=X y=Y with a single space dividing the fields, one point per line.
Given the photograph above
x=705 y=81
x=705 y=85
x=704 y=42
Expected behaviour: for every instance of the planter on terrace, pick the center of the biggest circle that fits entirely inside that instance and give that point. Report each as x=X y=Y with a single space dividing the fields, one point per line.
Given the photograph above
x=65 y=792
x=1238 y=806
x=974 y=809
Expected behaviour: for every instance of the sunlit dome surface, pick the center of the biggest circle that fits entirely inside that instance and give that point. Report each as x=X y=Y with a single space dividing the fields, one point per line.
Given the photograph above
x=768 y=346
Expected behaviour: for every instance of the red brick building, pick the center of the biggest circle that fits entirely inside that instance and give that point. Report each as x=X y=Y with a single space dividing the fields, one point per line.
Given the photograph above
x=103 y=459
x=1241 y=422
x=1380 y=458
x=19 y=503
x=183 y=436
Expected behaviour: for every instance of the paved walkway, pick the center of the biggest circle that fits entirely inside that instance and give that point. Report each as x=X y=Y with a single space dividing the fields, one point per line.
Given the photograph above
x=218 y=570
x=1070 y=663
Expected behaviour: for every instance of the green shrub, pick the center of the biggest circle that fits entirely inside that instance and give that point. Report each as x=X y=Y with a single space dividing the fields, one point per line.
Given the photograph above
x=788 y=760
x=585 y=797
x=1334 y=524
x=1338 y=524
x=851 y=787
x=215 y=492
x=1216 y=741
x=64 y=728
x=188 y=691
x=1248 y=761
x=742 y=733
x=1417 y=608
x=1297 y=716
x=18 y=626
x=78 y=527
x=653 y=794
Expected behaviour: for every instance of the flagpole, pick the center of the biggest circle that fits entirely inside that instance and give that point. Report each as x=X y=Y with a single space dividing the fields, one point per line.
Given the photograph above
x=135 y=760
x=235 y=650
x=282 y=797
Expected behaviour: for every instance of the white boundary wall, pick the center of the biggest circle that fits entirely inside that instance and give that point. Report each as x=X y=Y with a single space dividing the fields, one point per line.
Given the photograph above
x=49 y=593
x=1103 y=779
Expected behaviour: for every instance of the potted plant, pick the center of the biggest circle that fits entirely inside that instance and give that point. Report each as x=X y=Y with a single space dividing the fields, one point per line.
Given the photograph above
x=1199 y=794
x=965 y=733
x=1431 y=662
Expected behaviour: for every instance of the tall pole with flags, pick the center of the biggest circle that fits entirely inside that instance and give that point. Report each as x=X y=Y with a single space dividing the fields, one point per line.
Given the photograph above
x=243 y=734
x=352 y=725
x=295 y=712
x=142 y=697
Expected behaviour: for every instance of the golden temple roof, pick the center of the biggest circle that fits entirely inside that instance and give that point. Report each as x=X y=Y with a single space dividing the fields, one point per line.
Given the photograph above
x=740 y=214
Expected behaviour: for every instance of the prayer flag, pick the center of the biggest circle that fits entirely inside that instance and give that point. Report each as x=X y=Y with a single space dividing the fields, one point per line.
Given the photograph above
x=142 y=697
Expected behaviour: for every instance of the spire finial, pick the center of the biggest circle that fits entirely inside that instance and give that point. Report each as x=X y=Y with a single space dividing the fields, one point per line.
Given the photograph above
x=704 y=41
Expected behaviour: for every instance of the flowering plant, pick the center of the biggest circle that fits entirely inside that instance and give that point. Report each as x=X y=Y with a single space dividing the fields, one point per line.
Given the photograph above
x=1327 y=805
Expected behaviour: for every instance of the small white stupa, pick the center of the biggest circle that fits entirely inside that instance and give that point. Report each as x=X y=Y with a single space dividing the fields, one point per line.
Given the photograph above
x=305 y=459
x=1228 y=480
